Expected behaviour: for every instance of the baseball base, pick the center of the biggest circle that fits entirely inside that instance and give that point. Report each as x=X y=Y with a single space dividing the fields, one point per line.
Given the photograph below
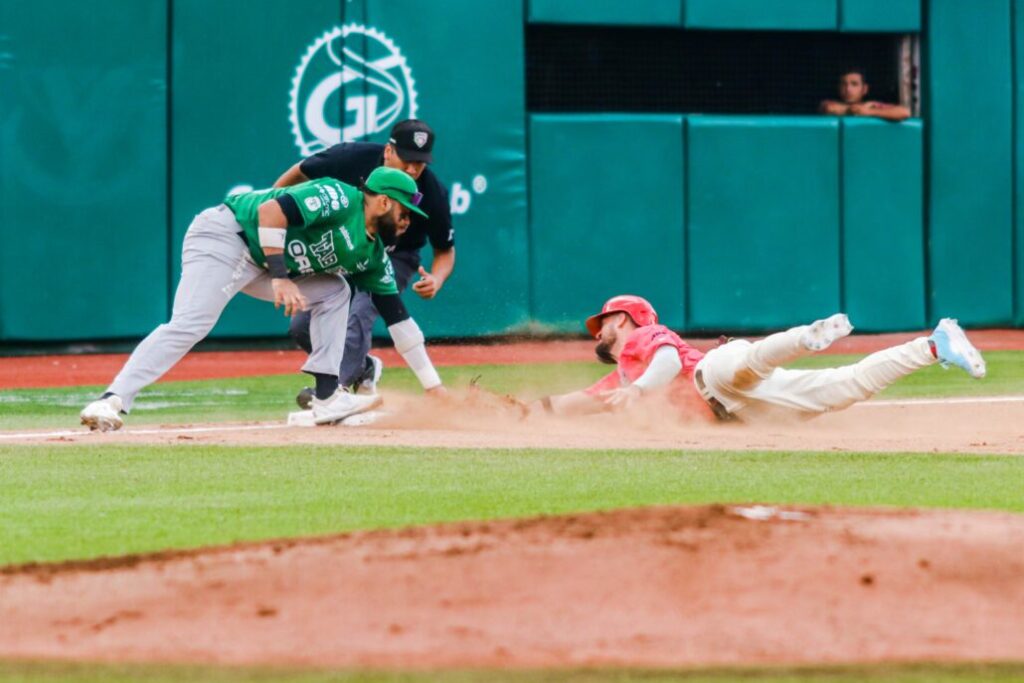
x=304 y=418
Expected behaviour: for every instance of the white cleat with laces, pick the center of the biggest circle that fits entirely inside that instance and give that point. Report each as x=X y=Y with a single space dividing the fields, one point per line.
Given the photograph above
x=342 y=404
x=953 y=348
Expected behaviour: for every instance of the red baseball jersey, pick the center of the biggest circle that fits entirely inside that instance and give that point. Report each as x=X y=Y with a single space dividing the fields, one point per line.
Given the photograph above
x=636 y=356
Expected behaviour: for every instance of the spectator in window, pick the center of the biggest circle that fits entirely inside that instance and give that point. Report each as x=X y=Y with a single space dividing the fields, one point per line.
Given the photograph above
x=853 y=89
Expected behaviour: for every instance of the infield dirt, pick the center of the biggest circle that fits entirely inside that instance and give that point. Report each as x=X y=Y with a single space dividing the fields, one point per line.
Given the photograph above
x=651 y=587
x=982 y=425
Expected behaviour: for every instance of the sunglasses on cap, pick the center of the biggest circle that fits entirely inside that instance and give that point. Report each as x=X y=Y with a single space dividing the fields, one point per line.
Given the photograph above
x=414 y=197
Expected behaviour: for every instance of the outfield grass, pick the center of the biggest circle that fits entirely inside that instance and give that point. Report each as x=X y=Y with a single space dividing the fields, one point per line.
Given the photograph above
x=271 y=397
x=61 y=502
x=83 y=673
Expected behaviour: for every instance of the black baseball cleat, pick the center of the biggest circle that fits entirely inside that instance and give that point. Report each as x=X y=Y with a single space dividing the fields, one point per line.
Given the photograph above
x=367 y=382
x=305 y=398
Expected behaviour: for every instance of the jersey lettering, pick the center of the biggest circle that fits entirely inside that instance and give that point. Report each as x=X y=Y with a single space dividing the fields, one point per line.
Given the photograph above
x=323 y=250
x=297 y=250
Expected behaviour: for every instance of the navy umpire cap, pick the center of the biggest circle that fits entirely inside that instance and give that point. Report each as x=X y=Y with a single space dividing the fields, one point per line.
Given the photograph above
x=413 y=140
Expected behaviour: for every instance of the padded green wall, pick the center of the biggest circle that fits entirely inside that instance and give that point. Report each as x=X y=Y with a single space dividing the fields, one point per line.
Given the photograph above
x=763 y=203
x=606 y=218
x=968 y=83
x=82 y=169
x=779 y=219
x=821 y=15
x=471 y=84
x=883 y=228
x=1018 y=123
x=230 y=114
x=903 y=16
x=649 y=12
x=231 y=127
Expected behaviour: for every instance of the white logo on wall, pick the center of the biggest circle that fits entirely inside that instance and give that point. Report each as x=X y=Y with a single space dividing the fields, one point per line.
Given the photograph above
x=352 y=82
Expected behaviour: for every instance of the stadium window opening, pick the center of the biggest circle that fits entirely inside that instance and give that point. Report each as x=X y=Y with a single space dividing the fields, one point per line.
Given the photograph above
x=671 y=70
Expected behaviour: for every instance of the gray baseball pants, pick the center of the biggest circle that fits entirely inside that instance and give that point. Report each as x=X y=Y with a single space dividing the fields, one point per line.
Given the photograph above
x=362 y=315
x=216 y=265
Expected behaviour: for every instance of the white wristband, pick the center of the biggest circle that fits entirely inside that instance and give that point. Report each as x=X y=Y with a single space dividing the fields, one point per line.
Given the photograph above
x=272 y=237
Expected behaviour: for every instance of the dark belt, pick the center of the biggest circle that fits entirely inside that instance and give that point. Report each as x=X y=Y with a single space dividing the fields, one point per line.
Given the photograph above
x=716 y=406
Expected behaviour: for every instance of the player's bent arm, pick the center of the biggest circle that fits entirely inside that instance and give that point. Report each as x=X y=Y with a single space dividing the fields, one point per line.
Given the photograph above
x=408 y=339
x=273 y=225
x=293 y=176
x=430 y=283
x=443 y=265
x=665 y=365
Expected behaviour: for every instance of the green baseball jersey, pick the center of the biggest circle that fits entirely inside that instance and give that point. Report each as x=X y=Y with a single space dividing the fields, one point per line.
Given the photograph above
x=331 y=239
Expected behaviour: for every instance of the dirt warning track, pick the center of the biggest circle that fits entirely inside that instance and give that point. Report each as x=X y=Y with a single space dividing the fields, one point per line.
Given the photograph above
x=651 y=587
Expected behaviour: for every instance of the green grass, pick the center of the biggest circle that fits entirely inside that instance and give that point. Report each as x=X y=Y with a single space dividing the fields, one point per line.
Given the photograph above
x=1005 y=376
x=267 y=397
x=61 y=502
x=85 y=673
x=271 y=397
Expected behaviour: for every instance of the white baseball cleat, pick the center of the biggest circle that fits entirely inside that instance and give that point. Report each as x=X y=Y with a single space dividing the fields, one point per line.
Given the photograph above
x=341 y=404
x=953 y=348
x=103 y=414
x=368 y=384
x=820 y=334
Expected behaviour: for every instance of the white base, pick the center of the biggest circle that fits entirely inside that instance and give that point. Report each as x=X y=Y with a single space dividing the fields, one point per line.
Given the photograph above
x=301 y=418
x=304 y=418
x=363 y=419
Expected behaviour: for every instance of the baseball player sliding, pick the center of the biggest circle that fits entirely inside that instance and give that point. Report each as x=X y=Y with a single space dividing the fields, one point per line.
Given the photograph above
x=289 y=246
x=743 y=379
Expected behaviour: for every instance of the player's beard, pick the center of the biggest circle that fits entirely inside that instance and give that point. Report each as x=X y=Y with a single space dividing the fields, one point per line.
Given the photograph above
x=387 y=229
x=604 y=352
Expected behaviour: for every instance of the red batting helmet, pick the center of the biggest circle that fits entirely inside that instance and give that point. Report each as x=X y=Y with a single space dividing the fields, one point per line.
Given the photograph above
x=636 y=307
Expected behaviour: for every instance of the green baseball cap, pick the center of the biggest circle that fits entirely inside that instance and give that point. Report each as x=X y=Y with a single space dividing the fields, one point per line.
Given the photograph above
x=398 y=185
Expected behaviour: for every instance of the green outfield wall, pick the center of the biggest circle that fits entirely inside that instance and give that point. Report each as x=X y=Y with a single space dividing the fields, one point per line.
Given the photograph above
x=119 y=121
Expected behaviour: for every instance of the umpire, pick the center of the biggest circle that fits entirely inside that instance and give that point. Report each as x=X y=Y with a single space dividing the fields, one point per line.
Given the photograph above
x=409 y=149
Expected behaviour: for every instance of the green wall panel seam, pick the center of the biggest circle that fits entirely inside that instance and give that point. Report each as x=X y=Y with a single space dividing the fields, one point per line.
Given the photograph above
x=168 y=163
x=1018 y=305
x=926 y=159
x=687 y=265
x=841 y=175
x=531 y=293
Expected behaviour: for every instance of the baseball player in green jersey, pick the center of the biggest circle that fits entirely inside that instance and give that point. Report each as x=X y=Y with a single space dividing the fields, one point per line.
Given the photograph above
x=290 y=246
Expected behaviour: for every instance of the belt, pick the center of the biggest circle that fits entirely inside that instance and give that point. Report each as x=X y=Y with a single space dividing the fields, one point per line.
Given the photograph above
x=716 y=406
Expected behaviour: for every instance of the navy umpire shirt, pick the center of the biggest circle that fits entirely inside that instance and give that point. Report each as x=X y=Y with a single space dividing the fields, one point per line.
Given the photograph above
x=352 y=162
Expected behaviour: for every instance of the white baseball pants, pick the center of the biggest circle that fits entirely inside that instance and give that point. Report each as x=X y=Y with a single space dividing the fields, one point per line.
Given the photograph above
x=747 y=377
x=216 y=265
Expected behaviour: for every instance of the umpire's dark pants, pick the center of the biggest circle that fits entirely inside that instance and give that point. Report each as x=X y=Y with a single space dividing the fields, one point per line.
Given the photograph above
x=361 y=316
